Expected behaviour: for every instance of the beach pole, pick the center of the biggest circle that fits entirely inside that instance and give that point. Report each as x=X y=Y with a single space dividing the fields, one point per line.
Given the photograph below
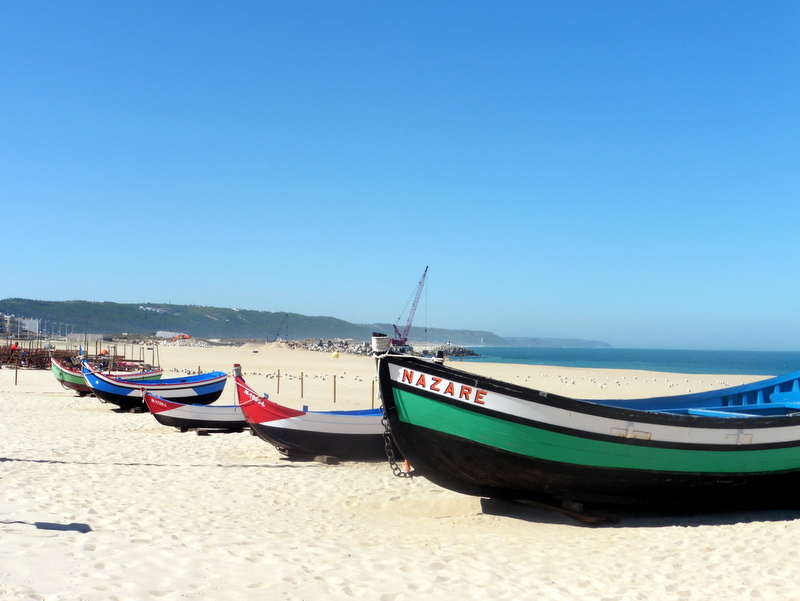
x=380 y=346
x=334 y=389
x=16 y=371
x=301 y=384
x=279 y=382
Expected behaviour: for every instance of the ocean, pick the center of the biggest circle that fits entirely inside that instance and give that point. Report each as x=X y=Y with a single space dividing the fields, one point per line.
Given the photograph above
x=767 y=363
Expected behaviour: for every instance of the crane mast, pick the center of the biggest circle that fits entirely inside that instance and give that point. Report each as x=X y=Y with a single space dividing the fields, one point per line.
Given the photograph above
x=402 y=337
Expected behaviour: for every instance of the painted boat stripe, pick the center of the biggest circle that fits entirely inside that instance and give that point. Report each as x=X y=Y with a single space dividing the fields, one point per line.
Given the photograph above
x=348 y=425
x=545 y=444
x=509 y=407
x=203 y=415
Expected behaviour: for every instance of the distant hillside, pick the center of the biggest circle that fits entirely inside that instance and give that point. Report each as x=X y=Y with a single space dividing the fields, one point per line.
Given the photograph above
x=214 y=322
x=556 y=343
x=198 y=321
x=442 y=336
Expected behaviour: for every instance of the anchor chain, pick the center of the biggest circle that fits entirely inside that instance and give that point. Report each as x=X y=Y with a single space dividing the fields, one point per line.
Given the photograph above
x=387 y=439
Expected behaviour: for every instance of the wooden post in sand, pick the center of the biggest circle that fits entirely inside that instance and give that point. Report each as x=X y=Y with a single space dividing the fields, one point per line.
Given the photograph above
x=334 y=388
x=373 y=394
x=279 y=382
x=301 y=384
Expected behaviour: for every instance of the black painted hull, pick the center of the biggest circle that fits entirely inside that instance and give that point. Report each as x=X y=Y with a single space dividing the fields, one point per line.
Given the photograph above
x=474 y=469
x=196 y=424
x=132 y=401
x=483 y=437
x=345 y=446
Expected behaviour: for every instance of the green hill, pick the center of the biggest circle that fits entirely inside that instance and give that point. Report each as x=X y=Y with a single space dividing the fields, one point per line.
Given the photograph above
x=212 y=322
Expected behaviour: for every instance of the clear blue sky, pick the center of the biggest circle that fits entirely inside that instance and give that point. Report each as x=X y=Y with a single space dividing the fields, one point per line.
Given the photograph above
x=624 y=171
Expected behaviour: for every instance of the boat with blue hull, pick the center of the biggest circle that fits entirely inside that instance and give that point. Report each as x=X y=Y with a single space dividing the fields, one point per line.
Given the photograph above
x=72 y=378
x=735 y=447
x=201 y=389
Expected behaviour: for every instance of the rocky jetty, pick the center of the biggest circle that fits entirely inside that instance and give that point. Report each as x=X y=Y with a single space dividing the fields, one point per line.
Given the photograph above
x=448 y=350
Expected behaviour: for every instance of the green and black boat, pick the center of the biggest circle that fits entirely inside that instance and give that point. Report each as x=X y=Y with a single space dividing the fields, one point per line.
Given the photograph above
x=734 y=447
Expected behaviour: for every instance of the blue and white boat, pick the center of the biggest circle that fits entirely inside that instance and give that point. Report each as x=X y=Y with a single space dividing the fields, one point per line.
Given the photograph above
x=128 y=394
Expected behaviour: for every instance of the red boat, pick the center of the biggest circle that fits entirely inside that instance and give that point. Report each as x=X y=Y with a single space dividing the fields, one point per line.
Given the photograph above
x=343 y=434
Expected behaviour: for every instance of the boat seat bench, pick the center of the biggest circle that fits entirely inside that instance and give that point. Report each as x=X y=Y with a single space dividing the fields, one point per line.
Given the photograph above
x=745 y=410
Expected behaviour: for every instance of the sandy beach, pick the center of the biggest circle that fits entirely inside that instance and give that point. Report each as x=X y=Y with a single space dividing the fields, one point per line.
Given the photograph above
x=98 y=505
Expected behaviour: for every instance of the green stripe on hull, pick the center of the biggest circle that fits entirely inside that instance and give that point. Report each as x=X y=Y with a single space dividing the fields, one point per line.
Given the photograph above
x=553 y=446
x=67 y=377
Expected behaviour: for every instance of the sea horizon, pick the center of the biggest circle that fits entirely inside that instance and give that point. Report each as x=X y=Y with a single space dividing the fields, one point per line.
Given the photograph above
x=767 y=363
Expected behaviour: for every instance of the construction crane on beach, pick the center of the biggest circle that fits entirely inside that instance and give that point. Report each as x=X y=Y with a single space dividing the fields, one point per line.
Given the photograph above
x=401 y=337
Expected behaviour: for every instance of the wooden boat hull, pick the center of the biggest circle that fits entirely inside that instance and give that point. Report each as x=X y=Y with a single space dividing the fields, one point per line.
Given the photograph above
x=484 y=437
x=186 y=417
x=343 y=434
x=72 y=378
x=128 y=394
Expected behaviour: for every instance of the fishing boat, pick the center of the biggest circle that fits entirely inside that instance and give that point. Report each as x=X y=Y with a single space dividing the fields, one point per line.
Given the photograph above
x=72 y=378
x=202 y=389
x=342 y=434
x=189 y=417
x=737 y=446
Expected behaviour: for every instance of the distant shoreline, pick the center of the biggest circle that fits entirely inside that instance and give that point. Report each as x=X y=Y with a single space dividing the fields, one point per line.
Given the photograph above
x=766 y=363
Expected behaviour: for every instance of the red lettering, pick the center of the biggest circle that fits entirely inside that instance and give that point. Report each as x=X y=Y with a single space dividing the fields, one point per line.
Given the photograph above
x=465 y=392
x=421 y=381
x=408 y=376
x=479 y=397
x=436 y=382
x=451 y=390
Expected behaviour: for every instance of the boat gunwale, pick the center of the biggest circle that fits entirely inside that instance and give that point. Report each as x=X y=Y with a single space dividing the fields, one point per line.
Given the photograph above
x=199 y=380
x=585 y=407
x=457 y=459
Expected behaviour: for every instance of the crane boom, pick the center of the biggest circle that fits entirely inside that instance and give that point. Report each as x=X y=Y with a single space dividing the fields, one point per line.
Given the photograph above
x=403 y=337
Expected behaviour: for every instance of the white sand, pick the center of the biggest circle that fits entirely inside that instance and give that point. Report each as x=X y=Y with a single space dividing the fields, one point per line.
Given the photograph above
x=98 y=505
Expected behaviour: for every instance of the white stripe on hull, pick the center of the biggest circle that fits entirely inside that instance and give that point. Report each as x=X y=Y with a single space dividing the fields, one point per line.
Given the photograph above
x=330 y=424
x=232 y=413
x=594 y=424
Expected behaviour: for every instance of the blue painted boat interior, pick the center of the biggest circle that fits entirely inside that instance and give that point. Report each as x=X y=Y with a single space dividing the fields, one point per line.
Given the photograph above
x=200 y=378
x=365 y=412
x=775 y=396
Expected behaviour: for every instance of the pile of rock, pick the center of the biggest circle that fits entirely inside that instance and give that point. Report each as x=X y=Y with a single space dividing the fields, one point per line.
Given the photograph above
x=338 y=345
x=448 y=350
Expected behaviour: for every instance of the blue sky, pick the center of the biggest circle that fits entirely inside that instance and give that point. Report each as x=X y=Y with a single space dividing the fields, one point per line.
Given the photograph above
x=622 y=171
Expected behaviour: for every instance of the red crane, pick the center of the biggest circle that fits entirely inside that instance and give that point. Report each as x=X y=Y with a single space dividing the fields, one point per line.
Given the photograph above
x=403 y=336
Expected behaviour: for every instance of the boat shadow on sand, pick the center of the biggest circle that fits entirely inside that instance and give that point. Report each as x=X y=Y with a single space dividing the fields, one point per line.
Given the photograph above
x=617 y=516
x=72 y=527
x=181 y=466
